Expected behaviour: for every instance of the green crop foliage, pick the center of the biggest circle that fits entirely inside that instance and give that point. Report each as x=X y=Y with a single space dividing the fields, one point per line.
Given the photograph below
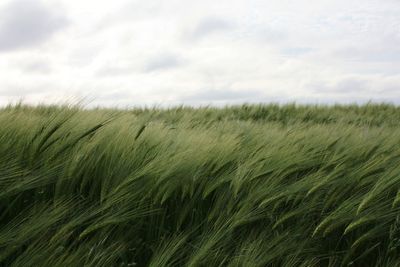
x=250 y=185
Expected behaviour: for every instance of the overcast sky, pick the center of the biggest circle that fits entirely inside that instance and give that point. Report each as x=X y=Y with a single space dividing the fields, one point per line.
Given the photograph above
x=128 y=52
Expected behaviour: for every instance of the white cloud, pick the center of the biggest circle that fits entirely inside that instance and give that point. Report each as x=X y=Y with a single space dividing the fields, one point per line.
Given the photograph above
x=25 y=23
x=164 y=62
x=168 y=52
x=210 y=25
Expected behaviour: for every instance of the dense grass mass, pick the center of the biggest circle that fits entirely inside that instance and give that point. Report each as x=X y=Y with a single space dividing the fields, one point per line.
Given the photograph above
x=249 y=185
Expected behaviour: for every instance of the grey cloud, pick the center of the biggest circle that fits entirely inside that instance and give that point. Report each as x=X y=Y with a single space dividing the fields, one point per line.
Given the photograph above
x=164 y=62
x=351 y=85
x=20 y=91
x=115 y=96
x=209 y=26
x=158 y=63
x=266 y=34
x=296 y=51
x=25 y=23
x=345 y=86
x=391 y=89
x=379 y=53
x=114 y=71
x=227 y=95
x=40 y=67
x=130 y=11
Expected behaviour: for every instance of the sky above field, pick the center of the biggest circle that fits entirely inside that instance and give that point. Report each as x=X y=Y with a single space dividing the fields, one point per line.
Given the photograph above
x=128 y=52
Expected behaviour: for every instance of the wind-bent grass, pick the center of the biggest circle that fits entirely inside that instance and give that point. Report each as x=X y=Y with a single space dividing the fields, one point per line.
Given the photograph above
x=238 y=186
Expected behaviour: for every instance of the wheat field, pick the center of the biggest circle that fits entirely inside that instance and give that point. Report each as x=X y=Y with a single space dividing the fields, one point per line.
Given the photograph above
x=250 y=185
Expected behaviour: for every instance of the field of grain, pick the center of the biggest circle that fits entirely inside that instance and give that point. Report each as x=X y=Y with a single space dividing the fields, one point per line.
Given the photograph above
x=251 y=185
